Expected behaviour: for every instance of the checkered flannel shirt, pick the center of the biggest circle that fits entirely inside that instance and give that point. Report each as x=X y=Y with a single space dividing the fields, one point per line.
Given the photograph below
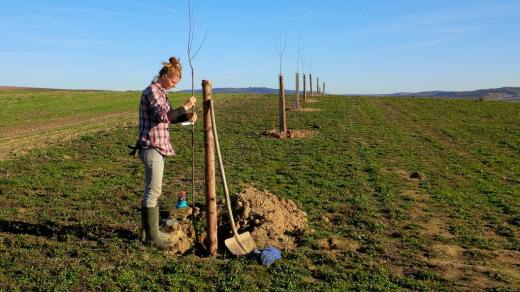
x=155 y=114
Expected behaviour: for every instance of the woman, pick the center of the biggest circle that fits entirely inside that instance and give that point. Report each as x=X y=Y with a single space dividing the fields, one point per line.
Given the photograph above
x=155 y=115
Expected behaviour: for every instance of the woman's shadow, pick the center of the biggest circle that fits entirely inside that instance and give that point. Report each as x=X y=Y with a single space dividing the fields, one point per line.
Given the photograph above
x=59 y=232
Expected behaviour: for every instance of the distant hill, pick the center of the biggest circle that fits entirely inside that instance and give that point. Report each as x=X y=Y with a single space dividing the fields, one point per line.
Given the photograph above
x=504 y=93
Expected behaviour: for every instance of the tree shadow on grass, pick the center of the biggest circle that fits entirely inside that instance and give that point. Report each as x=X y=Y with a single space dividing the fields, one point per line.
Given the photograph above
x=59 y=232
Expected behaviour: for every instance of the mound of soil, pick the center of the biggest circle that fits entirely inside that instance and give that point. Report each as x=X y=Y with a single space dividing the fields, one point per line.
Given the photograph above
x=270 y=219
x=290 y=134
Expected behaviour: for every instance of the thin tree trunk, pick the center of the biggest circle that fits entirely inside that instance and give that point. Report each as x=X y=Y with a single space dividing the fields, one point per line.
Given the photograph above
x=297 y=90
x=323 y=92
x=211 y=195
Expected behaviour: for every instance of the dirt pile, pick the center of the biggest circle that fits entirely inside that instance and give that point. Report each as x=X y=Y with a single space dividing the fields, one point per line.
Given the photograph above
x=290 y=134
x=179 y=226
x=271 y=220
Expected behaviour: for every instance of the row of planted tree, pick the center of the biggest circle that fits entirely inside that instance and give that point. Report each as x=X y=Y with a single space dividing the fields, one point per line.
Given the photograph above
x=305 y=94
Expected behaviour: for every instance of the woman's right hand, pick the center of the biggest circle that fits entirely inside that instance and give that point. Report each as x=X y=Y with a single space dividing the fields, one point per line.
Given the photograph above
x=190 y=103
x=192 y=117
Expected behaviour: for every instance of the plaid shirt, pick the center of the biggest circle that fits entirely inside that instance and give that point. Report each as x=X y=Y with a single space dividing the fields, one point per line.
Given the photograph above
x=154 y=116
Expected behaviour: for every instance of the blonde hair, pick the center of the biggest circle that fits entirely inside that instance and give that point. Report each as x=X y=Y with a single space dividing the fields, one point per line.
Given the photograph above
x=171 y=68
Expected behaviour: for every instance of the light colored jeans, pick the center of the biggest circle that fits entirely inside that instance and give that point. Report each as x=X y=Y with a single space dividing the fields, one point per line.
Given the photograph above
x=153 y=173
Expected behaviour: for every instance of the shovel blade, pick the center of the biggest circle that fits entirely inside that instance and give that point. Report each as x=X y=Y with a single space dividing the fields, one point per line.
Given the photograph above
x=244 y=245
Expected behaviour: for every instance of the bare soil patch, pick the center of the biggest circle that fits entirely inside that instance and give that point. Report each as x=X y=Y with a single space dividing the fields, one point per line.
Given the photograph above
x=448 y=260
x=432 y=224
x=410 y=176
x=413 y=195
x=471 y=269
x=337 y=244
x=490 y=271
x=304 y=109
x=437 y=226
x=290 y=134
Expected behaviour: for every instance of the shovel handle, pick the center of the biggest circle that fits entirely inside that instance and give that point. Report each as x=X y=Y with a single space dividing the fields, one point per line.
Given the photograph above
x=223 y=174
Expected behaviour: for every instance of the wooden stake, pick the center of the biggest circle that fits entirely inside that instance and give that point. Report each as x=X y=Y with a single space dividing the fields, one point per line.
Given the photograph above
x=297 y=90
x=310 y=83
x=304 y=88
x=281 y=107
x=209 y=148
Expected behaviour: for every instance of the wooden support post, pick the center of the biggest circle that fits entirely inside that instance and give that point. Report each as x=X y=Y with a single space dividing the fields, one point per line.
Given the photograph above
x=211 y=195
x=281 y=107
x=297 y=90
x=310 y=83
x=304 y=88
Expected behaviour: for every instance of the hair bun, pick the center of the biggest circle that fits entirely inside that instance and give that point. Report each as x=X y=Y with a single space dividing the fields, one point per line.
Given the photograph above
x=172 y=67
x=173 y=60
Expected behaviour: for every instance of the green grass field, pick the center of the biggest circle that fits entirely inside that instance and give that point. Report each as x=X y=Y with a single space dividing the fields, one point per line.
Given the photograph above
x=33 y=106
x=401 y=193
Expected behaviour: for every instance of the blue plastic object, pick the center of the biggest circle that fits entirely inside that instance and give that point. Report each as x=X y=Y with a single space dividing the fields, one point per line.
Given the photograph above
x=269 y=255
x=181 y=204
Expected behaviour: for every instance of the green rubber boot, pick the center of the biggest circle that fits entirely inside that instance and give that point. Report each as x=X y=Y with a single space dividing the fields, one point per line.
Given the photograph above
x=162 y=235
x=152 y=235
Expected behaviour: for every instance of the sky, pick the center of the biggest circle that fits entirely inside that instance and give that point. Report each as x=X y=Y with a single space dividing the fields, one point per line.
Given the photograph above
x=355 y=46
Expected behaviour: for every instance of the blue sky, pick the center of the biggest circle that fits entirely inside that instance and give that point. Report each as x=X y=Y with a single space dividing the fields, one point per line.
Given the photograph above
x=355 y=46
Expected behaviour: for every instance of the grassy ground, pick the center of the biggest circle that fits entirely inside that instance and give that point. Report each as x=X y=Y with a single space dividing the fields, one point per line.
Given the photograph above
x=35 y=106
x=400 y=193
x=30 y=119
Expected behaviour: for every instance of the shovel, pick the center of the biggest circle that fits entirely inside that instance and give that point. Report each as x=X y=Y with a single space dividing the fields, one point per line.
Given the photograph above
x=239 y=244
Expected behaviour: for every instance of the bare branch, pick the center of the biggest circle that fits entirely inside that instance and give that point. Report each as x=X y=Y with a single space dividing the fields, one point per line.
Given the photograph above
x=281 y=49
x=190 y=32
x=202 y=43
x=191 y=38
x=299 y=55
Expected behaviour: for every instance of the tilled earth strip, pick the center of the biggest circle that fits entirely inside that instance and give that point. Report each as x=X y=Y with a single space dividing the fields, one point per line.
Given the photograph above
x=18 y=140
